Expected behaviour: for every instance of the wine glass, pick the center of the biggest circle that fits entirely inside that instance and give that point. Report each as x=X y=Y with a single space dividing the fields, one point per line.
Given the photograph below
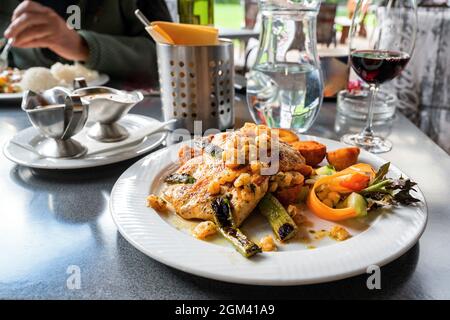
x=391 y=32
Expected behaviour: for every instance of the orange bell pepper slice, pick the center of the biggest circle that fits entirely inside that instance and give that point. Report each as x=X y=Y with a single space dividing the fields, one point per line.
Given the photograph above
x=356 y=182
x=362 y=168
x=351 y=182
x=354 y=178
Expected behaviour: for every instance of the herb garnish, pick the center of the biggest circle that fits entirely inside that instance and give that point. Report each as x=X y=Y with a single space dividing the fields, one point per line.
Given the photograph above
x=384 y=191
x=175 y=178
x=210 y=148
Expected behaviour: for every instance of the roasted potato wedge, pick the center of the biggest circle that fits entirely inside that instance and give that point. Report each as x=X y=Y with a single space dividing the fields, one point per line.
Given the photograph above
x=343 y=158
x=312 y=151
x=286 y=135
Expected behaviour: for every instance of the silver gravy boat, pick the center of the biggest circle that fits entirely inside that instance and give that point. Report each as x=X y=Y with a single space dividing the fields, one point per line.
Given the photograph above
x=58 y=116
x=106 y=107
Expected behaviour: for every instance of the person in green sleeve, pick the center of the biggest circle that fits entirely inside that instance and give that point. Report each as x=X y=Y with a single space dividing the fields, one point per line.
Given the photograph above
x=111 y=39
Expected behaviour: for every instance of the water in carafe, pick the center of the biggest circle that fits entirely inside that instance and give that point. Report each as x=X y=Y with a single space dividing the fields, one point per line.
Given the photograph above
x=284 y=87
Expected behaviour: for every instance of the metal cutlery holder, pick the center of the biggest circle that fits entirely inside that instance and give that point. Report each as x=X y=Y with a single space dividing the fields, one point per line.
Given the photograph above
x=197 y=84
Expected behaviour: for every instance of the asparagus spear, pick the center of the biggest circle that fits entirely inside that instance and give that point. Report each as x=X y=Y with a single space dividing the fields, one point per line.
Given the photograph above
x=224 y=220
x=282 y=224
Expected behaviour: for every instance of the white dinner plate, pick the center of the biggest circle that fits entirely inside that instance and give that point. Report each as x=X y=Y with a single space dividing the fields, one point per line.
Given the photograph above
x=101 y=80
x=376 y=240
x=133 y=123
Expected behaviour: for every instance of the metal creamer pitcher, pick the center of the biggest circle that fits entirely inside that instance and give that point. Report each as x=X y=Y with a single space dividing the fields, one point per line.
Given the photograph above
x=58 y=116
x=106 y=107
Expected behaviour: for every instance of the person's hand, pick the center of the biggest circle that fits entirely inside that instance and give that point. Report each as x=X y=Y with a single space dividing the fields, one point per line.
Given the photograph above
x=36 y=26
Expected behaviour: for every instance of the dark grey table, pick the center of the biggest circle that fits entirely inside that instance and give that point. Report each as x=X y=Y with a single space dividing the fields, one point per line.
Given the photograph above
x=52 y=221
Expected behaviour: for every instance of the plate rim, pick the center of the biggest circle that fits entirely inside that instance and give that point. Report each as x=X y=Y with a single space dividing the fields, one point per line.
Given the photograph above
x=262 y=282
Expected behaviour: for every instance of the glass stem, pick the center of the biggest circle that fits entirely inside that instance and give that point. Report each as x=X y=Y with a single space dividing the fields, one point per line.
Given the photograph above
x=367 y=132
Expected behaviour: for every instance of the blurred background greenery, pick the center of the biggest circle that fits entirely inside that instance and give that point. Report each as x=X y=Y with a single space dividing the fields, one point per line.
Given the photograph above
x=230 y=13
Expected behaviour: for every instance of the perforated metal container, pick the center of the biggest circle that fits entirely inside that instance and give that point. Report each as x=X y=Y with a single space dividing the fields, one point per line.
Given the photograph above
x=197 y=84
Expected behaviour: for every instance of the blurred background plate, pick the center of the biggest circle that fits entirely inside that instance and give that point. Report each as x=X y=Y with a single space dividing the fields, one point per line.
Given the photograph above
x=15 y=97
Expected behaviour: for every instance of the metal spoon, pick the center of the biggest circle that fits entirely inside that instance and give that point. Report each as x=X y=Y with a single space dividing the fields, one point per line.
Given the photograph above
x=142 y=17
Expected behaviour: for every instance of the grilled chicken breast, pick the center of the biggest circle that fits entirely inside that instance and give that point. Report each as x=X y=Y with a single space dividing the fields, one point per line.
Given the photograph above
x=210 y=175
x=193 y=201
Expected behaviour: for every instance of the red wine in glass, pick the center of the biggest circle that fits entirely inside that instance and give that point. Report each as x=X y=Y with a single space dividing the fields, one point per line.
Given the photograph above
x=378 y=66
x=380 y=57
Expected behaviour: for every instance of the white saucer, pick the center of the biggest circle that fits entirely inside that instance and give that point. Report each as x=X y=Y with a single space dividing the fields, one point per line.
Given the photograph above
x=132 y=123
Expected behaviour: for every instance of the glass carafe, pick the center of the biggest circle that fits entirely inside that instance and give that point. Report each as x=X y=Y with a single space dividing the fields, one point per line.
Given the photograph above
x=284 y=86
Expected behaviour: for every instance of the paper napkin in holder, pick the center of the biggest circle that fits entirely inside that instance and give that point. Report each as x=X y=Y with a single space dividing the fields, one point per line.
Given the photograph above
x=183 y=34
